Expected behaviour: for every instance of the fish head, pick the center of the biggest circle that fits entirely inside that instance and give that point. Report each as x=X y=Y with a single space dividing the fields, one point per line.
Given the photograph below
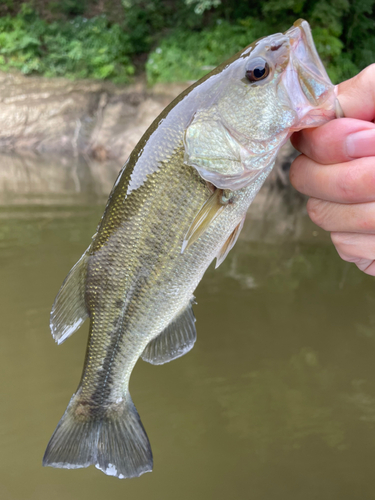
x=274 y=87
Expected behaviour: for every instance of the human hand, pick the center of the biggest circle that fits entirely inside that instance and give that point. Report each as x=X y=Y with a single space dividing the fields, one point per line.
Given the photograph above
x=337 y=170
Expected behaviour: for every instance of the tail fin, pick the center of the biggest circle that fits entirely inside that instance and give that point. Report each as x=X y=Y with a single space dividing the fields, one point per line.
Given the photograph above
x=115 y=442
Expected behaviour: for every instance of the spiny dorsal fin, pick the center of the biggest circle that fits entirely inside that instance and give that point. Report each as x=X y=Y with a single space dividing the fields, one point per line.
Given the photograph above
x=206 y=215
x=69 y=309
x=229 y=244
x=175 y=341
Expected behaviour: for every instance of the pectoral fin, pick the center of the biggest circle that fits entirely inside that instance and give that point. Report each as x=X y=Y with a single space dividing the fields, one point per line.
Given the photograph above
x=229 y=244
x=175 y=341
x=69 y=309
x=206 y=215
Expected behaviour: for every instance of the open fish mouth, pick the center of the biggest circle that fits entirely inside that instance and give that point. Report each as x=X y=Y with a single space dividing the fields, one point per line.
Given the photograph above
x=304 y=49
x=309 y=86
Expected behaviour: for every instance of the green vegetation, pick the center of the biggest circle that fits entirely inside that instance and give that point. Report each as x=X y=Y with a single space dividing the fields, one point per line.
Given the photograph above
x=187 y=55
x=180 y=40
x=344 y=33
x=80 y=48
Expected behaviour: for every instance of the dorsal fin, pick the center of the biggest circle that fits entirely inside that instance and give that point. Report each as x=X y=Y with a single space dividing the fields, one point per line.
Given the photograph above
x=175 y=341
x=229 y=244
x=69 y=310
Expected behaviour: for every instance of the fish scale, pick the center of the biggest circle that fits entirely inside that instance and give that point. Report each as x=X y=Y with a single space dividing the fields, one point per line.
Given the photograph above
x=179 y=202
x=160 y=257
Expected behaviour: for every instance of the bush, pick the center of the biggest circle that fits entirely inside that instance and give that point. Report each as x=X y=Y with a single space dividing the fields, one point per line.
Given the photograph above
x=343 y=30
x=80 y=48
x=188 y=36
x=188 y=55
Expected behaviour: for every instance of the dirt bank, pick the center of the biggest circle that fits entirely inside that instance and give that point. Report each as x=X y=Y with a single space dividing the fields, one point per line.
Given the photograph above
x=97 y=120
x=84 y=117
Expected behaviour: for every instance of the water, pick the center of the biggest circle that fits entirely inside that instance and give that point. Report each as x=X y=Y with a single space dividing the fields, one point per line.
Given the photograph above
x=275 y=401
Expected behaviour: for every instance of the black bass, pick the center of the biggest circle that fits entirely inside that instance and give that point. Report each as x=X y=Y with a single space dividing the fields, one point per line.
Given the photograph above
x=179 y=202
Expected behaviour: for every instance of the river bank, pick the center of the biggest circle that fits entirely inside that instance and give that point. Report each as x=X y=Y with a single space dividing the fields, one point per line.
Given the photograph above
x=94 y=119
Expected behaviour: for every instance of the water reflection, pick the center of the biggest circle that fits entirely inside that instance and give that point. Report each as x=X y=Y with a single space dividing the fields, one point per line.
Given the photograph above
x=276 y=400
x=47 y=179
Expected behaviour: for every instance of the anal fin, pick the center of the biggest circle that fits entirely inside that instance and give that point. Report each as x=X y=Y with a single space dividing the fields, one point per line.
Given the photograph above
x=69 y=310
x=175 y=341
x=229 y=244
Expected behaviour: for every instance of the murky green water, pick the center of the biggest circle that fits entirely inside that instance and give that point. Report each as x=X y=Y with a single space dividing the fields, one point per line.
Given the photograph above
x=275 y=401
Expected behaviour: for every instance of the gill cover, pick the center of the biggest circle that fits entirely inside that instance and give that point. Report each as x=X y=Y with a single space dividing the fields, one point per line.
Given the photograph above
x=211 y=147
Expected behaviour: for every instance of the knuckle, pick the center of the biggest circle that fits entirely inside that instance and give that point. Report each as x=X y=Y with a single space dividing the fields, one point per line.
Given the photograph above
x=362 y=264
x=368 y=74
x=370 y=269
x=347 y=183
x=338 y=239
x=349 y=253
x=366 y=223
x=343 y=255
x=294 y=172
x=367 y=169
x=354 y=259
x=364 y=217
x=365 y=77
x=324 y=145
x=315 y=209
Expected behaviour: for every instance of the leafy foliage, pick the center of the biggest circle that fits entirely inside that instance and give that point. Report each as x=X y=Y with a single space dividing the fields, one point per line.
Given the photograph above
x=148 y=21
x=80 y=48
x=190 y=55
x=343 y=30
x=202 y=5
x=183 y=39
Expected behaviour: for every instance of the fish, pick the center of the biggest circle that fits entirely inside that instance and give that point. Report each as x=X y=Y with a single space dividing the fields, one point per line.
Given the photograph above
x=179 y=202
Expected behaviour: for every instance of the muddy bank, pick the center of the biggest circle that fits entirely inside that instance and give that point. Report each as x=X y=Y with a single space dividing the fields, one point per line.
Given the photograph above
x=85 y=117
x=91 y=118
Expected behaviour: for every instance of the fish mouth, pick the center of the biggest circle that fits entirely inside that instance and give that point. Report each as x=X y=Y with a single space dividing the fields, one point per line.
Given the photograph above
x=306 y=80
x=305 y=51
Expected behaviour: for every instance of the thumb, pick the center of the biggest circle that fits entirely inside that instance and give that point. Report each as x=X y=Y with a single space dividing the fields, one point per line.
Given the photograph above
x=357 y=95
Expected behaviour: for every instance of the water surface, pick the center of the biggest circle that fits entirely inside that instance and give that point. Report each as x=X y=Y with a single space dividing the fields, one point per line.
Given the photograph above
x=275 y=401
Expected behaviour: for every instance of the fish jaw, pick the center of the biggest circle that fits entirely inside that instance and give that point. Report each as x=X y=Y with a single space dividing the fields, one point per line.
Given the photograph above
x=306 y=81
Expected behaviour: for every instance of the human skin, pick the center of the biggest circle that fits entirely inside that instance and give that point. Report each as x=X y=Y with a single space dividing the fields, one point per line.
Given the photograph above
x=337 y=170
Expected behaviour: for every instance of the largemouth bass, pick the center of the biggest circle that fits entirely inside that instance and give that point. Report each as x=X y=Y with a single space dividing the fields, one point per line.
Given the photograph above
x=179 y=202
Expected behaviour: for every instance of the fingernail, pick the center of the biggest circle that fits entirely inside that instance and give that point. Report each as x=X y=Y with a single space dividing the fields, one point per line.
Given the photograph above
x=361 y=144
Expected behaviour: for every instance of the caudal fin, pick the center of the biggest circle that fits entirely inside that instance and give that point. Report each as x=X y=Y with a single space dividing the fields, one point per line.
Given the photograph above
x=115 y=442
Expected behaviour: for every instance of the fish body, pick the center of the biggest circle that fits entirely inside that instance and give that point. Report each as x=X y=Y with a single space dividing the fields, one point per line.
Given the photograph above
x=179 y=202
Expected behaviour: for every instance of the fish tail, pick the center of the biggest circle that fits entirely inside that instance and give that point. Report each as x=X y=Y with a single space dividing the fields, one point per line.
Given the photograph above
x=112 y=438
x=123 y=446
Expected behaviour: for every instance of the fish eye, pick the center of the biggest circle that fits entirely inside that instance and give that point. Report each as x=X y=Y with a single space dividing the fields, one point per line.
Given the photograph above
x=257 y=69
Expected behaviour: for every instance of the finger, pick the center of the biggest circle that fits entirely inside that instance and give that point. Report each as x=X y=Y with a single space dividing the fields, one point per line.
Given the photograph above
x=355 y=218
x=357 y=95
x=356 y=248
x=350 y=182
x=368 y=269
x=365 y=265
x=355 y=245
x=337 y=141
